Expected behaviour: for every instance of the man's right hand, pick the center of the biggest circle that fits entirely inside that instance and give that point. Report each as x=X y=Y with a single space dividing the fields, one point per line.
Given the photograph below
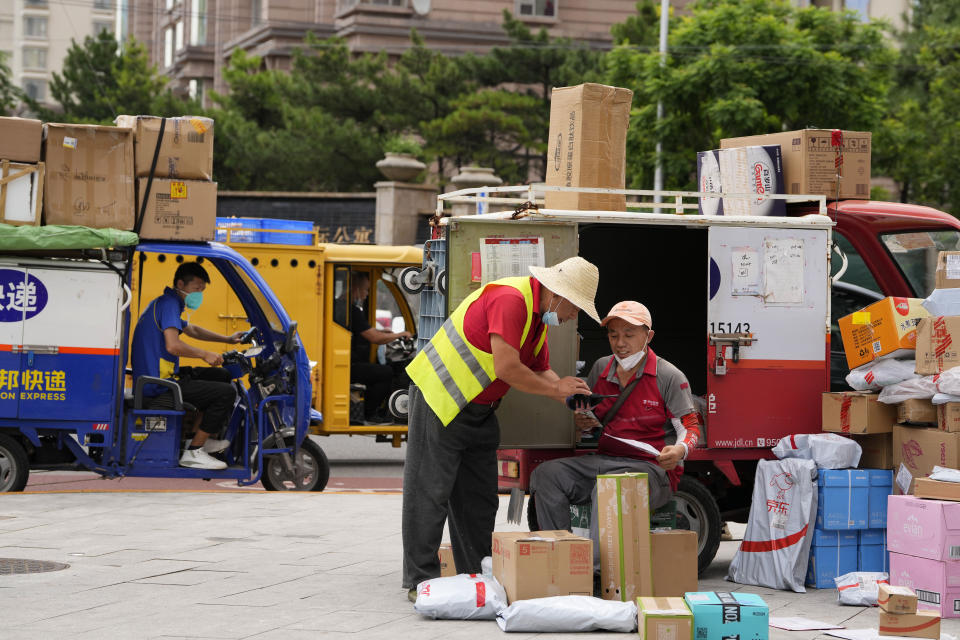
x=213 y=359
x=585 y=421
x=571 y=385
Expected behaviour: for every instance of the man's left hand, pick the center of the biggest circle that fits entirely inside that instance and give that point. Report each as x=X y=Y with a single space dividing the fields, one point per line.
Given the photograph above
x=670 y=457
x=235 y=338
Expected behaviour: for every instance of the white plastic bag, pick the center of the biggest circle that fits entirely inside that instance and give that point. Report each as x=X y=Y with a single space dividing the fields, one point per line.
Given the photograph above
x=568 y=614
x=944 y=398
x=948 y=382
x=945 y=474
x=466 y=596
x=943 y=302
x=827 y=450
x=913 y=389
x=859 y=588
x=881 y=373
x=776 y=544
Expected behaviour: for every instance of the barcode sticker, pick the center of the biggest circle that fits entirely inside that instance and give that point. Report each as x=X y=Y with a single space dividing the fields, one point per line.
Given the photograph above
x=877 y=346
x=953 y=267
x=194 y=137
x=69 y=143
x=932 y=597
x=956 y=606
x=955 y=553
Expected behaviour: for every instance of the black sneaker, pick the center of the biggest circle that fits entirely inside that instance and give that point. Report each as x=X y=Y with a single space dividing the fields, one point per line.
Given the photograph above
x=378 y=421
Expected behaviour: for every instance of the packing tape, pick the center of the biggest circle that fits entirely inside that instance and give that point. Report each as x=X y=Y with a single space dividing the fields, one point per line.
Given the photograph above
x=849 y=499
x=845 y=414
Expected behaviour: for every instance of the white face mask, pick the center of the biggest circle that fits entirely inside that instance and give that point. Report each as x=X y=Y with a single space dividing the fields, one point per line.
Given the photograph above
x=632 y=360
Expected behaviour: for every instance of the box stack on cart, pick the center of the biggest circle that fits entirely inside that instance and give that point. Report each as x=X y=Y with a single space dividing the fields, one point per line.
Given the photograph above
x=21 y=172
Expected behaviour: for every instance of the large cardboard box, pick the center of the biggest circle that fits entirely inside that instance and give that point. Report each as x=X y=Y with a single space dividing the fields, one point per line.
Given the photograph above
x=881 y=486
x=623 y=510
x=21 y=192
x=936 y=489
x=728 y=615
x=540 y=564
x=948 y=270
x=843 y=499
x=919 y=450
x=936 y=583
x=447 y=566
x=587 y=145
x=924 y=528
x=664 y=619
x=186 y=152
x=20 y=139
x=895 y=599
x=948 y=417
x=938 y=344
x=886 y=327
x=832 y=554
x=809 y=157
x=89 y=178
x=917 y=412
x=673 y=554
x=872 y=551
x=922 y=624
x=178 y=209
x=857 y=412
x=755 y=170
x=877 y=450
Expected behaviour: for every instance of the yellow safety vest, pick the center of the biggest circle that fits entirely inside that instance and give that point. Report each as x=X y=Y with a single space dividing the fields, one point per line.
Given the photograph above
x=450 y=371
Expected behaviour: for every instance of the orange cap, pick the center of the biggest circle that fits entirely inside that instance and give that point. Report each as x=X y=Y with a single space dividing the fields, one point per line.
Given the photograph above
x=631 y=311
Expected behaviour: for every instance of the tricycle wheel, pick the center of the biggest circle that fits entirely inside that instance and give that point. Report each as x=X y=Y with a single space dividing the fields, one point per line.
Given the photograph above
x=698 y=511
x=311 y=459
x=14 y=465
x=410 y=280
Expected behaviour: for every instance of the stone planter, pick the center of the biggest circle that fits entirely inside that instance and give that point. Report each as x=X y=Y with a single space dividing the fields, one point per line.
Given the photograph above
x=472 y=177
x=400 y=167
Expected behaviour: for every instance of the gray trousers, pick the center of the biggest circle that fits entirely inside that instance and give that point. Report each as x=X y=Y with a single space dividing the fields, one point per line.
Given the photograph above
x=450 y=473
x=556 y=484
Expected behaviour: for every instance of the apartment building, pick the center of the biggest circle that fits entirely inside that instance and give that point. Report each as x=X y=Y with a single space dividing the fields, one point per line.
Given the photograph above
x=35 y=35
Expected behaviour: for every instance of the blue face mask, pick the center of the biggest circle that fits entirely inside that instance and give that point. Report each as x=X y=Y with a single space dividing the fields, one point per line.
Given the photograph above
x=551 y=319
x=192 y=300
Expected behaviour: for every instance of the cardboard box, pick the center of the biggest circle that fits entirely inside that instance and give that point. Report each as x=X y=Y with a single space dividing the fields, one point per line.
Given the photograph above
x=186 y=152
x=21 y=192
x=843 y=498
x=948 y=270
x=832 y=554
x=623 y=511
x=938 y=344
x=881 y=486
x=948 y=417
x=540 y=564
x=664 y=619
x=755 y=170
x=708 y=180
x=872 y=551
x=728 y=615
x=887 y=327
x=587 y=146
x=936 y=583
x=922 y=624
x=20 y=140
x=857 y=412
x=920 y=450
x=809 y=157
x=917 y=412
x=673 y=554
x=924 y=528
x=89 y=177
x=447 y=566
x=178 y=209
x=877 y=450
x=936 y=489
x=895 y=599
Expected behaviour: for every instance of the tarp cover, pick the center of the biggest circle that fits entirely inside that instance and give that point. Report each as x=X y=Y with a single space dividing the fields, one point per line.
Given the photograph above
x=59 y=237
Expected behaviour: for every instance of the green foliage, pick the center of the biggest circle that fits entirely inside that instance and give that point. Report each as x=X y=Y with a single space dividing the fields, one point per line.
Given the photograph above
x=403 y=144
x=9 y=94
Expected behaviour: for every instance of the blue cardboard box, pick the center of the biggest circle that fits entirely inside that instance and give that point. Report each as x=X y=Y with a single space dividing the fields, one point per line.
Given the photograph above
x=843 y=499
x=728 y=615
x=872 y=551
x=832 y=554
x=881 y=486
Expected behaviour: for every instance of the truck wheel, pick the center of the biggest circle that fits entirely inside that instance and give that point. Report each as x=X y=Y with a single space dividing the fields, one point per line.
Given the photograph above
x=409 y=281
x=313 y=461
x=14 y=465
x=698 y=511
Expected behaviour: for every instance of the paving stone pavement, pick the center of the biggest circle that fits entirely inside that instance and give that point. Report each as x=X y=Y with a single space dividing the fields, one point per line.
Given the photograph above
x=261 y=566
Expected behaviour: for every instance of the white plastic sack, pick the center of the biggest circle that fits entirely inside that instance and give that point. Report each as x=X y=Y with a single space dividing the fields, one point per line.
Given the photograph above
x=859 y=588
x=944 y=398
x=568 y=614
x=827 y=450
x=949 y=381
x=776 y=544
x=943 y=302
x=945 y=474
x=881 y=373
x=466 y=596
x=914 y=389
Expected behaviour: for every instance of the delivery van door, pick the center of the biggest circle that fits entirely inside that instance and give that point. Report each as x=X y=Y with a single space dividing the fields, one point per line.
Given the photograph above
x=768 y=333
x=479 y=251
x=14 y=302
x=71 y=344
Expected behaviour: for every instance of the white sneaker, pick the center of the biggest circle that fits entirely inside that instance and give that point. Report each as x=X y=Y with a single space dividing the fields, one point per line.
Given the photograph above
x=200 y=459
x=213 y=445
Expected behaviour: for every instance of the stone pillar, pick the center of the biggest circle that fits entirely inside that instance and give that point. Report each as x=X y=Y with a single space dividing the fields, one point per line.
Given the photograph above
x=401 y=207
x=472 y=177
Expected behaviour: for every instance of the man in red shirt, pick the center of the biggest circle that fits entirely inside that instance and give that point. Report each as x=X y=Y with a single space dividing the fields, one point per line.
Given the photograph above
x=658 y=411
x=494 y=340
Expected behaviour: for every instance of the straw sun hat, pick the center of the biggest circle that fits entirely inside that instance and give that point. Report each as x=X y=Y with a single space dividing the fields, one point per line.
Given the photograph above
x=574 y=279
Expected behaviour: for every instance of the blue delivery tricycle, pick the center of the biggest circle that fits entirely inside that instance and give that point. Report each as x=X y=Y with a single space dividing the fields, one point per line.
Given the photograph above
x=64 y=334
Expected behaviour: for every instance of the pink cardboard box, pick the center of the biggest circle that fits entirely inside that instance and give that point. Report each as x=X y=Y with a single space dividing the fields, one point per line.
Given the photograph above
x=936 y=583
x=923 y=528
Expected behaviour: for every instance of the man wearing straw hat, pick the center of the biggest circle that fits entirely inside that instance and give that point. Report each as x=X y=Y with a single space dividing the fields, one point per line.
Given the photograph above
x=495 y=340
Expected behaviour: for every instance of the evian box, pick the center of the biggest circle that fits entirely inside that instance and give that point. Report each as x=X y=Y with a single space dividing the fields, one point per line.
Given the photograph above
x=936 y=583
x=756 y=170
x=923 y=528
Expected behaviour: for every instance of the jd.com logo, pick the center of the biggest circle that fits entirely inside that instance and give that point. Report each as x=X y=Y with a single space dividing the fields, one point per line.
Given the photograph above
x=22 y=296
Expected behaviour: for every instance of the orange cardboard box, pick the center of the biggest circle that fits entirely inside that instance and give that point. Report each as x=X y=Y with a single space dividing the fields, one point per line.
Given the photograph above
x=881 y=328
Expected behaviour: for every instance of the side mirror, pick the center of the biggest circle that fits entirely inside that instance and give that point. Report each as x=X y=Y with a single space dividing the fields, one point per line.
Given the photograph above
x=289 y=340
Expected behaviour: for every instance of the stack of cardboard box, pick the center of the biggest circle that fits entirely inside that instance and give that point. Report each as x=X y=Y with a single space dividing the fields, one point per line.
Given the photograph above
x=21 y=172
x=898 y=614
x=182 y=199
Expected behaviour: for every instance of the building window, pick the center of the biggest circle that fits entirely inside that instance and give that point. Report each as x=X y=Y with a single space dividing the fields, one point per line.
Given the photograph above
x=178 y=35
x=32 y=4
x=35 y=89
x=169 y=4
x=862 y=7
x=34 y=59
x=120 y=29
x=256 y=11
x=103 y=5
x=389 y=3
x=168 y=47
x=100 y=26
x=198 y=23
x=195 y=89
x=537 y=8
x=35 y=26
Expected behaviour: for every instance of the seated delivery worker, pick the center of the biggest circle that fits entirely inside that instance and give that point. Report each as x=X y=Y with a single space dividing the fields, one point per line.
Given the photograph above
x=658 y=410
x=494 y=340
x=156 y=352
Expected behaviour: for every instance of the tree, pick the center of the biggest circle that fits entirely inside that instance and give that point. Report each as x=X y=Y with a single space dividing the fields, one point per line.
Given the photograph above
x=9 y=94
x=739 y=67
